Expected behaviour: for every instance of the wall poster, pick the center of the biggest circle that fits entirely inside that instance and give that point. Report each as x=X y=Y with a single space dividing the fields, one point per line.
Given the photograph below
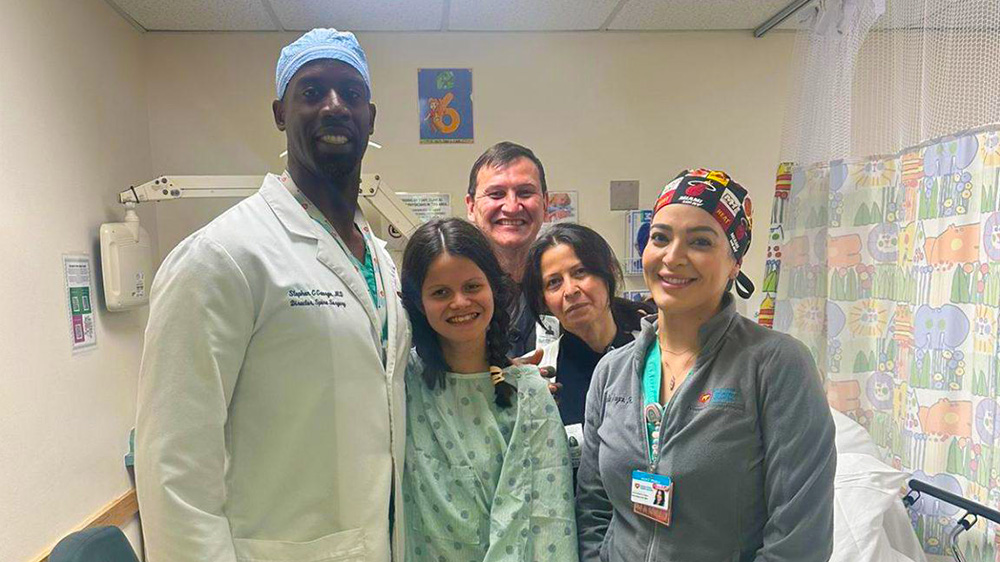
x=563 y=206
x=428 y=206
x=636 y=234
x=445 y=105
x=78 y=278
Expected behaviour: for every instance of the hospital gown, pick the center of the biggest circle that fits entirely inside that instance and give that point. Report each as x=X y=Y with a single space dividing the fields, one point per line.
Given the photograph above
x=483 y=483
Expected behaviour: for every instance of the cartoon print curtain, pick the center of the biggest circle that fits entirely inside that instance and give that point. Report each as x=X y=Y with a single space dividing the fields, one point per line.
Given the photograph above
x=889 y=270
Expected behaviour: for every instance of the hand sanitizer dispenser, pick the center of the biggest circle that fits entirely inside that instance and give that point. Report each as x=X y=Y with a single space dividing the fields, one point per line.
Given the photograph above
x=126 y=262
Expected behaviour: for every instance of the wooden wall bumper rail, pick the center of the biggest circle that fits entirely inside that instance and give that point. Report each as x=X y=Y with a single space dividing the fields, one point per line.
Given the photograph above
x=118 y=513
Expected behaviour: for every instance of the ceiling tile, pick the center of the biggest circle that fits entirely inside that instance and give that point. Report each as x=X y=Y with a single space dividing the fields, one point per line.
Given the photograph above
x=198 y=15
x=371 y=15
x=695 y=14
x=529 y=15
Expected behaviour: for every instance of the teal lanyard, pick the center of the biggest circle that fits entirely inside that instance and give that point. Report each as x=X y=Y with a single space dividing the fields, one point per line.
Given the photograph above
x=367 y=269
x=651 y=377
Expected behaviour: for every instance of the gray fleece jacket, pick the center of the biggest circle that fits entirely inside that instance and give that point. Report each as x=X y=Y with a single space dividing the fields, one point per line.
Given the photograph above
x=747 y=439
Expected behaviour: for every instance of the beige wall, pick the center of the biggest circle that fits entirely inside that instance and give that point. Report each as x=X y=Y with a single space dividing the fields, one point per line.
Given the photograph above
x=73 y=132
x=595 y=107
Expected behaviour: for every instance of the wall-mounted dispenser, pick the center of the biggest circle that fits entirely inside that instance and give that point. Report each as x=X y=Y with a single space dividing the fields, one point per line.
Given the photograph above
x=126 y=262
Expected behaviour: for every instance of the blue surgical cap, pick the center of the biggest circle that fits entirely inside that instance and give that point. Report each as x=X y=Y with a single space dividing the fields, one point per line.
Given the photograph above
x=320 y=44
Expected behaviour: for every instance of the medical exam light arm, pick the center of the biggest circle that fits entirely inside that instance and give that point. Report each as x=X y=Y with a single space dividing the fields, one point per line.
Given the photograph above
x=185 y=187
x=401 y=219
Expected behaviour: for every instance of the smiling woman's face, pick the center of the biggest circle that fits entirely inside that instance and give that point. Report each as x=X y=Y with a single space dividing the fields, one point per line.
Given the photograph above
x=457 y=299
x=687 y=262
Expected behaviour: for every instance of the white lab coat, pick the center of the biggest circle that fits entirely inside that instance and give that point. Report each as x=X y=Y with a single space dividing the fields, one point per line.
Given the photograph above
x=268 y=427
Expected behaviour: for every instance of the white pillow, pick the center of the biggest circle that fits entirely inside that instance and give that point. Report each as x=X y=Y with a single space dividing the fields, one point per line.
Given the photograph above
x=851 y=437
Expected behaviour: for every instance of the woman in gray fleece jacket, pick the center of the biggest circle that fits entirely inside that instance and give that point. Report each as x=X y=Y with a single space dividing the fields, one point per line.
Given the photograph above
x=733 y=413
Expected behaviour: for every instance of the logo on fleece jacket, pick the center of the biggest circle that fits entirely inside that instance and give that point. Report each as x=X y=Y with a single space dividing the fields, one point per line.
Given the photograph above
x=731 y=397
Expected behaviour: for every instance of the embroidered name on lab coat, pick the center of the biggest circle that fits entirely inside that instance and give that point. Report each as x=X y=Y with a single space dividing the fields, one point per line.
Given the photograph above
x=316 y=297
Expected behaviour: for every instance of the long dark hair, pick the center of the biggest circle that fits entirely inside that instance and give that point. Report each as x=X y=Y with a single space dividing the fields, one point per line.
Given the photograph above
x=458 y=238
x=596 y=256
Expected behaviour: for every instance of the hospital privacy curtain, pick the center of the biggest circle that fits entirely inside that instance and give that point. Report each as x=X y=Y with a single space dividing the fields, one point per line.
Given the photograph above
x=888 y=268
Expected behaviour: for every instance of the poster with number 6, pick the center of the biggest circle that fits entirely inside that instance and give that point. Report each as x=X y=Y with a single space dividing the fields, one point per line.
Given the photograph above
x=445 y=105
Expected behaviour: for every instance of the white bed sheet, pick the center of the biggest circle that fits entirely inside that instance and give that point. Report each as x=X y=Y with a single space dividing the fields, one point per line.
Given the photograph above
x=870 y=522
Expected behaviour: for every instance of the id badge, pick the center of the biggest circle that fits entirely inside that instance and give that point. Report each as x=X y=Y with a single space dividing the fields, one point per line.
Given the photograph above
x=652 y=496
x=574 y=434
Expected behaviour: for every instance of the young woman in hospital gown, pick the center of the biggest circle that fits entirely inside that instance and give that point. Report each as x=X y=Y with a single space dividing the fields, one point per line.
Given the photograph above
x=487 y=474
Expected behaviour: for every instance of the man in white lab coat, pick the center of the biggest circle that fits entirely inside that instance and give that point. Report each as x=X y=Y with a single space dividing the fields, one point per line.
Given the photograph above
x=270 y=417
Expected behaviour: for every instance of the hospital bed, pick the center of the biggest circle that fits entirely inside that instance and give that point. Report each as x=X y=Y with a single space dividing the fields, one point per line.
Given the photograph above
x=871 y=524
x=973 y=510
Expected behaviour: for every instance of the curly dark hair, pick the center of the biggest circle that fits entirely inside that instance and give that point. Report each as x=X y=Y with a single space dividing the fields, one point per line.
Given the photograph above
x=458 y=238
x=597 y=258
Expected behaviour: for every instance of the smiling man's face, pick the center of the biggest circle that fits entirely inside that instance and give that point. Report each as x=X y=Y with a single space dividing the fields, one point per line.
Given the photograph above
x=508 y=205
x=327 y=117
